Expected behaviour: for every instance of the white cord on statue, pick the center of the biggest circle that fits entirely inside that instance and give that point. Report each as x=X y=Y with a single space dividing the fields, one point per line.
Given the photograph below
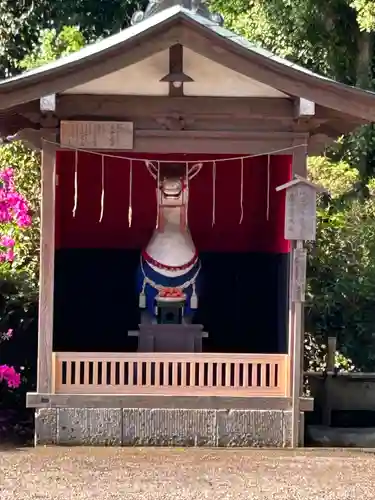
x=130 y=209
x=213 y=192
x=241 y=194
x=102 y=195
x=75 y=183
x=268 y=185
x=157 y=287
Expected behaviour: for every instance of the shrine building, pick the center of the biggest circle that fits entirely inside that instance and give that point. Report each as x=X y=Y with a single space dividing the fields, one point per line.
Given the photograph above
x=165 y=310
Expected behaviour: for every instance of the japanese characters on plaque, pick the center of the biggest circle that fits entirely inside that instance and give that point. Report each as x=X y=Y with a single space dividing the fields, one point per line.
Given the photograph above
x=299 y=275
x=96 y=135
x=300 y=213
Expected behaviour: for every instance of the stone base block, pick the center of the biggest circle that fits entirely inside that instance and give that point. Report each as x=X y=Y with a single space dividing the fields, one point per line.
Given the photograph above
x=79 y=426
x=162 y=427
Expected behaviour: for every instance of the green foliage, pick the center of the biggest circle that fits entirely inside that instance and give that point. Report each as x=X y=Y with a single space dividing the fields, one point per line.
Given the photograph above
x=338 y=178
x=334 y=38
x=341 y=273
x=312 y=33
x=365 y=13
x=52 y=44
x=26 y=166
x=19 y=280
x=22 y=23
x=330 y=37
x=26 y=163
x=316 y=356
x=325 y=36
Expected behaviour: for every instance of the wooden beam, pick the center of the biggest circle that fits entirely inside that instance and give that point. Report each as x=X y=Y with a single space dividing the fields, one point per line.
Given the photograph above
x=11 y=123
x=47 y=261
x=214 y=142
x=37 y=400
x=70 y=106
x=296 y=325
x=268 y=108
x=32 y=138
x=318 y=143
x=299 y=166
x=95 y=66
x=176 y=63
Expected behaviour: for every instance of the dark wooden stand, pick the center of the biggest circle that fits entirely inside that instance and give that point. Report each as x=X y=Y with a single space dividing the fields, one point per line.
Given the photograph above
x=169 y=338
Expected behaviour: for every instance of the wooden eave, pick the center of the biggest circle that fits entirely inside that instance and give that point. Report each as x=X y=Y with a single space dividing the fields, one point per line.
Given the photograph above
x=238 y=54
x=297 y=181
x=350 y=106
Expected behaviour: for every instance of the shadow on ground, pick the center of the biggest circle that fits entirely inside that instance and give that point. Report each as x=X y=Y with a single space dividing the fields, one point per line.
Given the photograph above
x=16 y=428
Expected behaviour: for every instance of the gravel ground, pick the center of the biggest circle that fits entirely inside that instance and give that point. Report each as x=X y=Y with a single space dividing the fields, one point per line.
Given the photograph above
x=179 y=474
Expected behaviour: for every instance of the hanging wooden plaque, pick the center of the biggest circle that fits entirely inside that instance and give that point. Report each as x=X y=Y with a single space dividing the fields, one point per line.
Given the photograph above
x=96 y=135
x=299 y=275
x=300 y=213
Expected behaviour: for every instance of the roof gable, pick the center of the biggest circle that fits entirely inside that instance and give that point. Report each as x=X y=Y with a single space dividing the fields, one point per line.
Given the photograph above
x=209 y=79
x=201 y=35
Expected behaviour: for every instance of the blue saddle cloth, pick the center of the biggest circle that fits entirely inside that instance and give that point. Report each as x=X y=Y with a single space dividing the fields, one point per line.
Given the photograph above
x=166 y=281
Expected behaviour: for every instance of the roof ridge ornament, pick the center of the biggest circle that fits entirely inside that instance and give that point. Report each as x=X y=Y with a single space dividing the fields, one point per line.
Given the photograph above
x=196 y=6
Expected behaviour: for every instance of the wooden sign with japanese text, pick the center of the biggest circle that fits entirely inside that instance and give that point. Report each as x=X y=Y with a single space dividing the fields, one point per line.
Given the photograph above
x=299 y=275
x=300 y=213
x=96 y=135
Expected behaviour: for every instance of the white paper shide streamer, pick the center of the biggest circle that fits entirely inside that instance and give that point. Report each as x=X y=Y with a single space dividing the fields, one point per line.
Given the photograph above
x=75 y=183
x=241 y=189
x=268 y=185
x=130 y=208
x=213 y=193
x=191 y=172
x=102 y=193
x=158 y=197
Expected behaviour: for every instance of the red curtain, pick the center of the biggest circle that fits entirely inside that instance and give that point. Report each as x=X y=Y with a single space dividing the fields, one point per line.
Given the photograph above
x=261 y=230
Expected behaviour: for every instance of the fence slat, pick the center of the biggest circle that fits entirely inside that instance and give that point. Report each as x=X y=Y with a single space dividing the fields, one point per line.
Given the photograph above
x=273 y=374
x=131 y=373
x=179 y=371
x=254 y=375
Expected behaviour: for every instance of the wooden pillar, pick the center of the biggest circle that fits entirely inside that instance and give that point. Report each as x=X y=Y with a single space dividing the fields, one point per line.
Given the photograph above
x=297 y=362
x=297 y=326
x=47 y=269
x=291 y=321
x=330 y=367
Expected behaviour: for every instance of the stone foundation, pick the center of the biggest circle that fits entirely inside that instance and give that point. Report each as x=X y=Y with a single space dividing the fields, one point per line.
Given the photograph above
x=162 y=427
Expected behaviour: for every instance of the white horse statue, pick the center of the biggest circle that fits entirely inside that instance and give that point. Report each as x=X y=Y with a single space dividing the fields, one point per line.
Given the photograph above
x=170 y=260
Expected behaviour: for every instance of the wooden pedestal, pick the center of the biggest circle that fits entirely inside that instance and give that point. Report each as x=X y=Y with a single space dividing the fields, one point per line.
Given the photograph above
x=169 y=338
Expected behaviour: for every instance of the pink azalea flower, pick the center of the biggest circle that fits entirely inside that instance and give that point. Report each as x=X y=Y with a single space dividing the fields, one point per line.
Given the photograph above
x=9 y=334
x=7 y=241
x=10 y=255
x=13 y=210
x=9 y=375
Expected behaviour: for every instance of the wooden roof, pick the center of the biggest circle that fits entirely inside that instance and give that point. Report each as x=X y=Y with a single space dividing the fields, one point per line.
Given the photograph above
x=201 y=34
